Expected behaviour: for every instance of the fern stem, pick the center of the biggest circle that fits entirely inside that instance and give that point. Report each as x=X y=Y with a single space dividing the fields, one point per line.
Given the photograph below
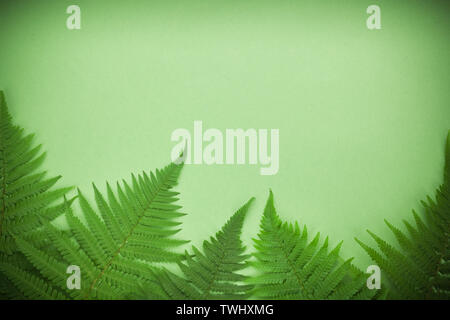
x=300 y=282
x=208 y=289
x=116 y=254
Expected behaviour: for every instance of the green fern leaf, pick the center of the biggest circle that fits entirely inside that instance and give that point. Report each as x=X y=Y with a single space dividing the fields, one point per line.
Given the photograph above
x=213 y=272
x=134 y=227
x=290 y=267
x=30 y=283
x=420 y=269
x=24 y=194
x=26 y=197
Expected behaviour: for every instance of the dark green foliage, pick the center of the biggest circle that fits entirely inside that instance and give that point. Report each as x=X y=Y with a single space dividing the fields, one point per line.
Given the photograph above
x=118 y=244
x=291 y=267
x=213 y=273
x=26 y=196
x=420 y=269
x=112 y=250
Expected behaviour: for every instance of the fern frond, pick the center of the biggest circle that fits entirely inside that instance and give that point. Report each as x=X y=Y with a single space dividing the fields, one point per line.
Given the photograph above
x=211 y=273
x=134 y=227
x=420 y=269
x=26 y=196
x=291 y=267
x=33 y=286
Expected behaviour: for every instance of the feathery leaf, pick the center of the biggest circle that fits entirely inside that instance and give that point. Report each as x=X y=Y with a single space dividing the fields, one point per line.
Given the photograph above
x=211 y=273
x=291 y=267
x=420 y=269
x=134 y=227
x=26 y=196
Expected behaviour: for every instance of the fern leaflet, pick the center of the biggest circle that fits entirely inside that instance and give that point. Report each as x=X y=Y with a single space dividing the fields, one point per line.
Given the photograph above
x=291 y=267
x=113 y=250
x=420 y=269
x=213 y=273
x=25 y=196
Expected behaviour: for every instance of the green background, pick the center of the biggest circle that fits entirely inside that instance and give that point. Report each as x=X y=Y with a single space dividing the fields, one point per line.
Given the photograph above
x=363 y=115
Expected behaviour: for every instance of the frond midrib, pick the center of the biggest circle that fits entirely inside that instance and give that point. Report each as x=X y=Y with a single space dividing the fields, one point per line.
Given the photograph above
x=124 y=242
x=207 y=291
x=293 y=270
x=276 y=223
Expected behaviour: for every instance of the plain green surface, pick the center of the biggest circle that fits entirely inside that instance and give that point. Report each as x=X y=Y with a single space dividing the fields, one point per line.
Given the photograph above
x=363 y=115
